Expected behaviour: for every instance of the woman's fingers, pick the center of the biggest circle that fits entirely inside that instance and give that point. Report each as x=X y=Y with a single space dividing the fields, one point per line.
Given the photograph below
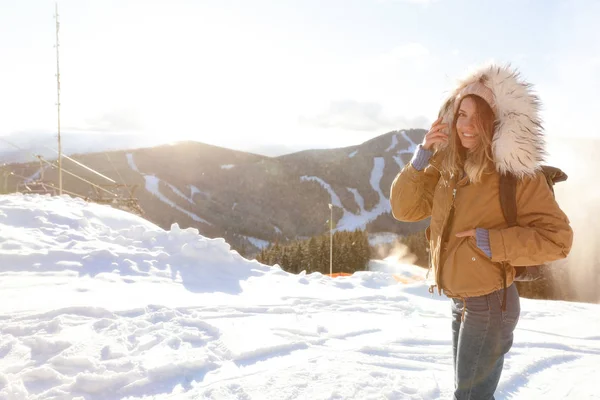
x=439 y=127
x=439 y=137
x=432 y=138
x=437 y=134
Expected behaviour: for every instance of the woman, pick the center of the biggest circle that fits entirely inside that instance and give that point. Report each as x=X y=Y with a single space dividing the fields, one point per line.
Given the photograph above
x=488 y=126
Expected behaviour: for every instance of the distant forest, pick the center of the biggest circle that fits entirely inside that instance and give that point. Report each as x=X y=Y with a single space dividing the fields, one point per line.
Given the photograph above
x=351 y=253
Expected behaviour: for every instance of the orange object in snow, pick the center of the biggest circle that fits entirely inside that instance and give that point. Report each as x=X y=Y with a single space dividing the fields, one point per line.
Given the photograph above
x=336 y=274
x=402 y=279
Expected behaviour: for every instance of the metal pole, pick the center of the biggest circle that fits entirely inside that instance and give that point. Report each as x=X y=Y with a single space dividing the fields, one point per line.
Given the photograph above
x=331 y=240
x=58 y=107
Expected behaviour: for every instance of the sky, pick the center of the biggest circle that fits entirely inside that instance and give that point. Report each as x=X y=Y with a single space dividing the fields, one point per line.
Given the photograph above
x=284 y=74
x=99 y=304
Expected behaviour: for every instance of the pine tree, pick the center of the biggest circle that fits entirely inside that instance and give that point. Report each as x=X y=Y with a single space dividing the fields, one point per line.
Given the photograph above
x=297 y=259
x=312 y=255
x=364 y=250
x=275 y=257
x=345 y=257
x=337 y=247
x=285 y=260
x=323 y=256
x=262 y=256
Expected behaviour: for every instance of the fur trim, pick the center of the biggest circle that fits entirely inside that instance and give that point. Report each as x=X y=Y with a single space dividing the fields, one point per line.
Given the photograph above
x=518 y=144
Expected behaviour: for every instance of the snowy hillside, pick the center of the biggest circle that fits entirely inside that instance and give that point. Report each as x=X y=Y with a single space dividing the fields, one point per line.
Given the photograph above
x=359 y=220
x=248 y=199
x=97 y=304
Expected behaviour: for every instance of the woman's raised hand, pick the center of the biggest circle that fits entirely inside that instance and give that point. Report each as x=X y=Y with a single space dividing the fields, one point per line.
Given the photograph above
x=437 y=134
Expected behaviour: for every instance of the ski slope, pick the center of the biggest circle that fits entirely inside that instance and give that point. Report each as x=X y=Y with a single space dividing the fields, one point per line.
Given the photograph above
x=98 y=304
x=153 y=186
x=350 y=220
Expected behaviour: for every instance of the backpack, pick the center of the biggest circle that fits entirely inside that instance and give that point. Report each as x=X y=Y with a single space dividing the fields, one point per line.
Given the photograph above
x=508 y=201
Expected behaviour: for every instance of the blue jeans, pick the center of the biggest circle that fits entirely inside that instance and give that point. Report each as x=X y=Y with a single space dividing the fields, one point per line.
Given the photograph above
x=480 y=342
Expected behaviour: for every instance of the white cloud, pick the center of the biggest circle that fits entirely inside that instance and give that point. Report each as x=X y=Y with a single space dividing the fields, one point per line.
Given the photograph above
x=357 y=116
x=114 y=121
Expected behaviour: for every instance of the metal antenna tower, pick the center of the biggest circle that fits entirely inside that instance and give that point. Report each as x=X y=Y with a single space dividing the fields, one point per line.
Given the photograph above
x=60 y=185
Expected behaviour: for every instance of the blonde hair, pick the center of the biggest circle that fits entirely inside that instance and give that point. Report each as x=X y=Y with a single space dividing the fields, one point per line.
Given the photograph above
x=479 y=160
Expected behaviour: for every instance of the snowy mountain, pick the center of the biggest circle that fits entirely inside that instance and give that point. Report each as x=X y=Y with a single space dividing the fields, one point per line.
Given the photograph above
x=250 y=199
x=99 y=304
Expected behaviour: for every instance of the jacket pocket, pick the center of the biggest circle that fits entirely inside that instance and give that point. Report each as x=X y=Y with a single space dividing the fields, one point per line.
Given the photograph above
x=468 y=270
x=472 y=242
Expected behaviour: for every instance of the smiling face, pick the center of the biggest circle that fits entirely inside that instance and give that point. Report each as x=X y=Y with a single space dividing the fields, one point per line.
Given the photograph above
x=470 y=146
x=468 y=125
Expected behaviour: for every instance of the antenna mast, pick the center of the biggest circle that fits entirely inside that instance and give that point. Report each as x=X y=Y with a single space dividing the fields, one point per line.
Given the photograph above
x=60 y=190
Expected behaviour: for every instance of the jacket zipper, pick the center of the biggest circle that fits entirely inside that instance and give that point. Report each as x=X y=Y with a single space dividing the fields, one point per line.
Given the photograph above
x=445 y=238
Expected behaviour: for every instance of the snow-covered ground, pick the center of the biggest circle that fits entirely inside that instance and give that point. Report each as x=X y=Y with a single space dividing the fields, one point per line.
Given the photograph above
x=97 y=304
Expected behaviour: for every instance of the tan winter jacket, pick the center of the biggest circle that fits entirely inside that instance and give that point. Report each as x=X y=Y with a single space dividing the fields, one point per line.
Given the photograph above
x=543 y=233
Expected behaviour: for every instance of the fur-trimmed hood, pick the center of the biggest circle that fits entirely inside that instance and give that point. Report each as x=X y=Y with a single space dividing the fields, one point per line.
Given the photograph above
x=518 y=145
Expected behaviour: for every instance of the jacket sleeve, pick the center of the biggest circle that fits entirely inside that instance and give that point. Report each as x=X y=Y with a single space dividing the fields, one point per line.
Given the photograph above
x=543 y=233
x=411 y=195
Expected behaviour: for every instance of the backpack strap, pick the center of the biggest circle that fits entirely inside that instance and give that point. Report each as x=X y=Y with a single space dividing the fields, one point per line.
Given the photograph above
x=508 y=202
